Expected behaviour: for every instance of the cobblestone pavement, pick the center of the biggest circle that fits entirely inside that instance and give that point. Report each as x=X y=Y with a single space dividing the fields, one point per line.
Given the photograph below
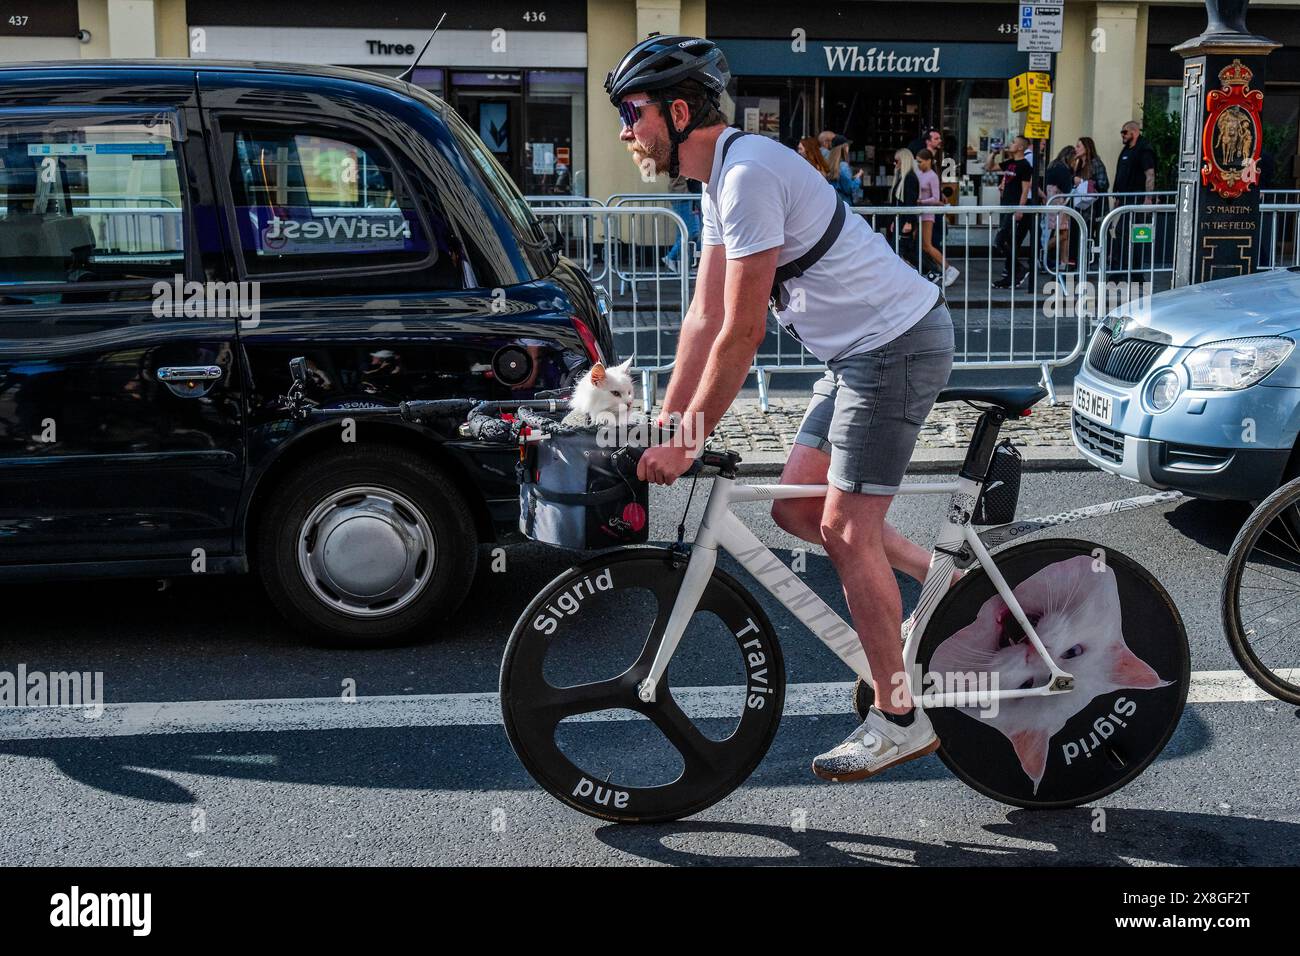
x=746 y=428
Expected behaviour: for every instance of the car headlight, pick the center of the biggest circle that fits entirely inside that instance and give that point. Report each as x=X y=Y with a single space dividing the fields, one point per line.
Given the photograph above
x=1236 y=363
x=1163 y=390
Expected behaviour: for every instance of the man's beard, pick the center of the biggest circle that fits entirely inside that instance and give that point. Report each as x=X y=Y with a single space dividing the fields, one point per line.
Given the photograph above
x=656 y=153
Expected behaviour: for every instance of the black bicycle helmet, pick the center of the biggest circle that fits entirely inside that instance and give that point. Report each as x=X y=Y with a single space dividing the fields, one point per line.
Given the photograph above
x=660 y=62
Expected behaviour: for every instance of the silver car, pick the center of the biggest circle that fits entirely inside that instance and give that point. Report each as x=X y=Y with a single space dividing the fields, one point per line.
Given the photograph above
x=1197 y=389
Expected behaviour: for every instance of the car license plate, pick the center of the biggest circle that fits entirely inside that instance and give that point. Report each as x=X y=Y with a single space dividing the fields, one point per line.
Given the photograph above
x=1091 y=404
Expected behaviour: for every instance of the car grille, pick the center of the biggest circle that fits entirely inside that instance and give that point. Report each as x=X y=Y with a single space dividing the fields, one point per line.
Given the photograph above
x=1125 y=361
x=1101 y=441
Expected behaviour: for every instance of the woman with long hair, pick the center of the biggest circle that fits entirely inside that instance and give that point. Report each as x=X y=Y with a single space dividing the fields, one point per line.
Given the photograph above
x=811 y=150
x=903 y=191
x=1056 y=227
x=1089 y=171
x=931 y=194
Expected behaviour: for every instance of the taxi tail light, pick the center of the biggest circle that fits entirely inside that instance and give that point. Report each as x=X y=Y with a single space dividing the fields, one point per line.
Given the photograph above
x=588 y=339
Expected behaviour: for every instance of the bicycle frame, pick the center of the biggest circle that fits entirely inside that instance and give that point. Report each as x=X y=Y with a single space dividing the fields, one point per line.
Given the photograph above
x=721 y=528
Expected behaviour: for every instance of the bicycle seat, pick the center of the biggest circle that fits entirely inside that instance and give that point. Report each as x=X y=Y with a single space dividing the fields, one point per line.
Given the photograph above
x=1014 y=401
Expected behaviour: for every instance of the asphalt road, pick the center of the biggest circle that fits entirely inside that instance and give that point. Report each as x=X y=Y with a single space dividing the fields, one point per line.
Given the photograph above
x=305 y=781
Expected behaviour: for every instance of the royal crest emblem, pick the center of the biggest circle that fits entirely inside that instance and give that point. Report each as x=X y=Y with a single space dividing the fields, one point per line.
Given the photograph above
x=1232 y=137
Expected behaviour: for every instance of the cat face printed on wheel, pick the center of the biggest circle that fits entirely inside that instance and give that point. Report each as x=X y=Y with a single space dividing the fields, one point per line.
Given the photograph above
x=1076 y=613
x=604 y=394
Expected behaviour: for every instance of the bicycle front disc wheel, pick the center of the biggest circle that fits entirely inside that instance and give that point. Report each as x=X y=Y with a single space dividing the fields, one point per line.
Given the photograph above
x=1107 y=622
x=570 y=676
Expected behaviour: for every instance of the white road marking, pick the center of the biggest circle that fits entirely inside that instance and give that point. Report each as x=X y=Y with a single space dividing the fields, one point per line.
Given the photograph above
x=450 y=710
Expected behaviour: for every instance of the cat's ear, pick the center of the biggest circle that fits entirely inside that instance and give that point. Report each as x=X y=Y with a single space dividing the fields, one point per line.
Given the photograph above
x=597 y=374
x=1129 y=670
x=1031 y=748
x=624 y=365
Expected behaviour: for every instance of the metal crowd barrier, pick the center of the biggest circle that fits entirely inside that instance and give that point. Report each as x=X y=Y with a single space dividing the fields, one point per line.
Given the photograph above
x=1071 y=267
x=1279 y=230
x=685 y=205
x=576 y=239
x=627 y=240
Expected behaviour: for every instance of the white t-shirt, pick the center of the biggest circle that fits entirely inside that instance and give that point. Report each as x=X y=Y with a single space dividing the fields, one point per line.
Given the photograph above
x=858 y=296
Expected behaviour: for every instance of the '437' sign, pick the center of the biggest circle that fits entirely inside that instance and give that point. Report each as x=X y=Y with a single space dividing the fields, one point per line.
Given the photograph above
x=1232 y=138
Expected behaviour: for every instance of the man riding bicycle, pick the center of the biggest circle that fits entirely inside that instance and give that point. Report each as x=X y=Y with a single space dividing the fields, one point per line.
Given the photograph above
x=774 y=229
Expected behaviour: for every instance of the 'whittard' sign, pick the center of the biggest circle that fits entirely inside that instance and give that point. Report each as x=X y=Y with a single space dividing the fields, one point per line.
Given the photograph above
x=870 y=58
x=853 y=59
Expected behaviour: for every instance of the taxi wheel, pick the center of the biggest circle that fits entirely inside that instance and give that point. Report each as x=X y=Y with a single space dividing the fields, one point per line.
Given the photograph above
x=366 y=546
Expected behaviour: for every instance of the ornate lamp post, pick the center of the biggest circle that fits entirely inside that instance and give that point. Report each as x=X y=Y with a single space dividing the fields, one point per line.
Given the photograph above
x=1218 y=155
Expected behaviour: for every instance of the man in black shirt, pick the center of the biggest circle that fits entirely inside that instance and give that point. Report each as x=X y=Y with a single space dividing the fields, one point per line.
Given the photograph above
x=1017 y=182
x=1135 y=171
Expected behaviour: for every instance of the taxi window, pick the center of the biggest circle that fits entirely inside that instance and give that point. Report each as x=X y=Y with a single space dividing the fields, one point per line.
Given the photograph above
x=90 y=200
x=309 y=200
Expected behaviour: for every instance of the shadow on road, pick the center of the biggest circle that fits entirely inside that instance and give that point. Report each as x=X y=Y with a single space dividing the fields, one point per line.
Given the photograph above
x=1059 y=838
x=469 y=758
x=1211 y=524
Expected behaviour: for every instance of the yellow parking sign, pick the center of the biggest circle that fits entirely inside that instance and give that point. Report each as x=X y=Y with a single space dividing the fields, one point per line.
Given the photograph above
x=1019 y=93
x=1024 y=88
x=1039 y=130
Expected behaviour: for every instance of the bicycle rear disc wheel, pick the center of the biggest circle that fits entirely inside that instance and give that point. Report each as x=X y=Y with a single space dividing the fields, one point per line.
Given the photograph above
x=1106 y=621
x=1260 y=600
x=573 y=664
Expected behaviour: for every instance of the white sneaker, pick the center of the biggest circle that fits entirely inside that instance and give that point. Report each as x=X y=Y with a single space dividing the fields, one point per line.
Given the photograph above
x=950 y=276
x=876 y=745
x=670 y=263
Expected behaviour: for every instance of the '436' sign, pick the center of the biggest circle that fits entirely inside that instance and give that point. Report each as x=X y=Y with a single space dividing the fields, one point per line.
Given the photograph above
x=1233 y=134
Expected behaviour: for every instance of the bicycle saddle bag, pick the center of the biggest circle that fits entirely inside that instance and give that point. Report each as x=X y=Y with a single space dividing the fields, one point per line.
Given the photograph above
x=1001 y=491
x=572 y=496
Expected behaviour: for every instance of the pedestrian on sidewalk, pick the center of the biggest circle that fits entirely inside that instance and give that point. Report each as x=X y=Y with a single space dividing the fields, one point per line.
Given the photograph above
x=1056 y=226
x=905 y=190
x=810 y=149
x=1135 y=173
x=930 y=139
x=1090 y=180
x=689 y=210
x=1017 y=178
x=841 y=174
x=931 y=194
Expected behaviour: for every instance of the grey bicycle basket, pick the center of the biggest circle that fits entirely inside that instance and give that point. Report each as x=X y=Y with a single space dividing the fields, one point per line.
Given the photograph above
x=572 y=496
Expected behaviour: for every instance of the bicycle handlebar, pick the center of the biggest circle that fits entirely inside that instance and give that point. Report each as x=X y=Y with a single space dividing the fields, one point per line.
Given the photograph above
x=626 y=458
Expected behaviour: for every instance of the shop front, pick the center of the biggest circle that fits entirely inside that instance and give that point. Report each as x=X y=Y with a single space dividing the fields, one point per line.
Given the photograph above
x=879 y=74
x=517 y=75
x=39 y=30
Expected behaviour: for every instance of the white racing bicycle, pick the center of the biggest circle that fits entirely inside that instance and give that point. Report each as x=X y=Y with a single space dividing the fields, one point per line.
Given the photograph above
x=1054 y=671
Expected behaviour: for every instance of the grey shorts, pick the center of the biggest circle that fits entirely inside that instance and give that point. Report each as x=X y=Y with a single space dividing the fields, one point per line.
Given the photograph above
x=867 y=410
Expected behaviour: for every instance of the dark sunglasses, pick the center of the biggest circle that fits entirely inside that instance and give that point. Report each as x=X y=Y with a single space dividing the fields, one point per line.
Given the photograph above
x=629 y=112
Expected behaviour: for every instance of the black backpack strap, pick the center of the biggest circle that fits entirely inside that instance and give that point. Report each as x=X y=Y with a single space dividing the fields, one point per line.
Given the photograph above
x=797 y=267
x=726 y=147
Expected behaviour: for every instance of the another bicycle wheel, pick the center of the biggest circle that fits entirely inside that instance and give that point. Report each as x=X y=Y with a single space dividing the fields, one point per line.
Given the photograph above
x=1260 y=601
x=1105 y=620
x=569 y=681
